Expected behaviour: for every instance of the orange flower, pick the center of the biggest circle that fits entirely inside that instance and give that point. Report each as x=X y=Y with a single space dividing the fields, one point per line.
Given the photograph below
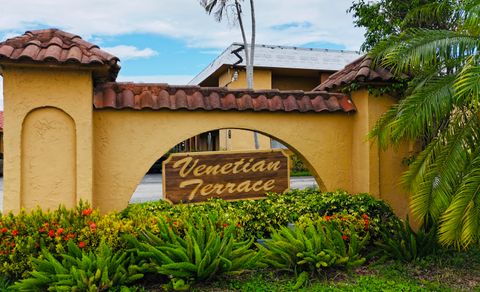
x=365 y=216
x=59 y=231
x=51 y=233
x=4 y=230
x=15 y=232
x=87 y=212
x=327 y=218
x=93 y=226
x=81 y=244
x=344 y=237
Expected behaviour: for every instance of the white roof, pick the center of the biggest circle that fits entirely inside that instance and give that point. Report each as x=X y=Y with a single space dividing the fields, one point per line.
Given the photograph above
x=285 y=57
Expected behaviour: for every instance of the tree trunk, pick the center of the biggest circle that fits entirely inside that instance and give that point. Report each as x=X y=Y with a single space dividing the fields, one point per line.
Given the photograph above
x=250 y=64
x=245 y=44
x=248 y=55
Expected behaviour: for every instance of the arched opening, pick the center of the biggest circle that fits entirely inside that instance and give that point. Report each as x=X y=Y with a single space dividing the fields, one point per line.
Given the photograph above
x=302 y=174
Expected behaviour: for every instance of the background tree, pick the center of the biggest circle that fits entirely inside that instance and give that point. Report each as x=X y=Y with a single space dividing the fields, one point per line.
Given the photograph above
x=389 y=17
x=441 y=108
x=233 y=10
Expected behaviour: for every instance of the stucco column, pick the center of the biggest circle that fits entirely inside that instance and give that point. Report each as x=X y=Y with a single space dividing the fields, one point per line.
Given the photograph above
x=365 y=154
x=374 y=170
x=48 y=136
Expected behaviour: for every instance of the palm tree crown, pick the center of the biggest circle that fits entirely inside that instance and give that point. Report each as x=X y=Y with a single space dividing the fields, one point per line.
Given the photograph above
x=441 y=110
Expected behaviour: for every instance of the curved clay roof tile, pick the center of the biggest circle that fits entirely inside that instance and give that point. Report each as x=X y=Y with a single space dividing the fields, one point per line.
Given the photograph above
x=359 y=70
x=165 y=97
x=59 y=47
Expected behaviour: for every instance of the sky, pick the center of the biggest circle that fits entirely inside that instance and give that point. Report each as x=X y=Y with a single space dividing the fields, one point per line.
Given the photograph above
x=171 y=41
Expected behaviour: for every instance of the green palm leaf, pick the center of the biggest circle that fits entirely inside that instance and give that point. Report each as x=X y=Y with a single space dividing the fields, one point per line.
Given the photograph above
x=440 y=110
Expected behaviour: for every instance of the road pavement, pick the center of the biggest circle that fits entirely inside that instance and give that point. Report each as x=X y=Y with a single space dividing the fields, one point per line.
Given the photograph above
x=150 y=189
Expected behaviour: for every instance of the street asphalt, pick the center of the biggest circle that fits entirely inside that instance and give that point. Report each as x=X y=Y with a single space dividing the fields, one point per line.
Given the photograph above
x=150 y=189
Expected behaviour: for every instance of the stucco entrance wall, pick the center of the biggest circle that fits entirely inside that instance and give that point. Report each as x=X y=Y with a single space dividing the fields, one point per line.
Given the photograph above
x=58 y=149
x=128 y=142
x=72 y=133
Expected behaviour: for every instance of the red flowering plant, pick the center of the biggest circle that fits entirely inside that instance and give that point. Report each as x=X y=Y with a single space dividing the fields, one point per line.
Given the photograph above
x=22 y=236
x=345 y=223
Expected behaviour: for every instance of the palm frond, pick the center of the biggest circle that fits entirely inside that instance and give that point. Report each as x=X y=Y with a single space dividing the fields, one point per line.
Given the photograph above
x=467 y=85
x=419 y=48
x=421 y=180
x=427 y=107
x=460 y=224
x=217 y=7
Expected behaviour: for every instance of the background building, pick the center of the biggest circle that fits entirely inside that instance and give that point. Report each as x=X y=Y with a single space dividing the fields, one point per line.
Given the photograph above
x=276 y=67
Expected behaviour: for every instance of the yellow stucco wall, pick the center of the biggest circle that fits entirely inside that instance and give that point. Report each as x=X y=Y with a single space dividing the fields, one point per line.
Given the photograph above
x=124 y=148
x=48 y=136
x=305 y=83
x=240 y=139
x=374 y=170
x=49 y=154
x=58 y=150
x=235 y=139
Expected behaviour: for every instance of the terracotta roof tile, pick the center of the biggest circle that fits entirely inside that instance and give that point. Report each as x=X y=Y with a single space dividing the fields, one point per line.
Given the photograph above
x=61 y=48
x=163 y=96
x=358 y=71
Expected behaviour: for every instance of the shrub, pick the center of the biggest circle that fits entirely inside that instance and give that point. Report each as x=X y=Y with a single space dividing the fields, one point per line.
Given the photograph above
x=80 y=271
x=359 y=224
x=23 y=236
x=314 y=246
x=258 y=218
x=4 y=283
x=403 y=244
x=200 y=254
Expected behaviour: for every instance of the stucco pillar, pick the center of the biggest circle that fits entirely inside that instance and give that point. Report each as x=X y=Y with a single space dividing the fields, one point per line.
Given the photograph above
x=48 y=136
x=374 y=170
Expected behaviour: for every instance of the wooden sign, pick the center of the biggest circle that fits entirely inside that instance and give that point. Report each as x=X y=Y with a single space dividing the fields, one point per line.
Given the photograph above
x=230 y=175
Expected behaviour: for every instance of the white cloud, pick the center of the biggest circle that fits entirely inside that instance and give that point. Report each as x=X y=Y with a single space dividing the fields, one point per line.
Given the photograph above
x=170 y=79
x=186 y=20
x=130 y=52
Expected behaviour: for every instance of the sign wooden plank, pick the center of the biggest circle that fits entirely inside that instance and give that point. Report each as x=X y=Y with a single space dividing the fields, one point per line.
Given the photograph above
x=230 y=175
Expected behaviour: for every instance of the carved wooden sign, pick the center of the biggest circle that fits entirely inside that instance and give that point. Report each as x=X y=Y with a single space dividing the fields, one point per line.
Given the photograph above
x=230 y=175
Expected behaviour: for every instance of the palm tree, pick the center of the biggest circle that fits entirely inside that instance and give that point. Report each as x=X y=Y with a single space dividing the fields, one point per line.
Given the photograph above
x=441 y=108
x=222 y=8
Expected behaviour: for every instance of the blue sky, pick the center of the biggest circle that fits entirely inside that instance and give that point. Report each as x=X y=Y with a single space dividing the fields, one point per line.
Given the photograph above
x=173 y=40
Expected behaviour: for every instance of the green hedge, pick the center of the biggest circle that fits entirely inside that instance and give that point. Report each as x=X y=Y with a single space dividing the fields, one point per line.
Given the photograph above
x=258 y=218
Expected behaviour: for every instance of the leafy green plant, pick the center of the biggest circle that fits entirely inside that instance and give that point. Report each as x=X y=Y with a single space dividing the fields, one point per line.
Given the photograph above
x=4 y=283
x=440 y=111
x=404 y=244
x=315 y=246
x=200 y=254
x=93 y=271
x=24 y=235
x=257 y=218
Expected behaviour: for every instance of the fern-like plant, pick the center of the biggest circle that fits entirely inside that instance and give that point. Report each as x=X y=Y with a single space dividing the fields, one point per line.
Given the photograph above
x=404 y=244
x=314 y=246
x=101 y=270
x=200 y=254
